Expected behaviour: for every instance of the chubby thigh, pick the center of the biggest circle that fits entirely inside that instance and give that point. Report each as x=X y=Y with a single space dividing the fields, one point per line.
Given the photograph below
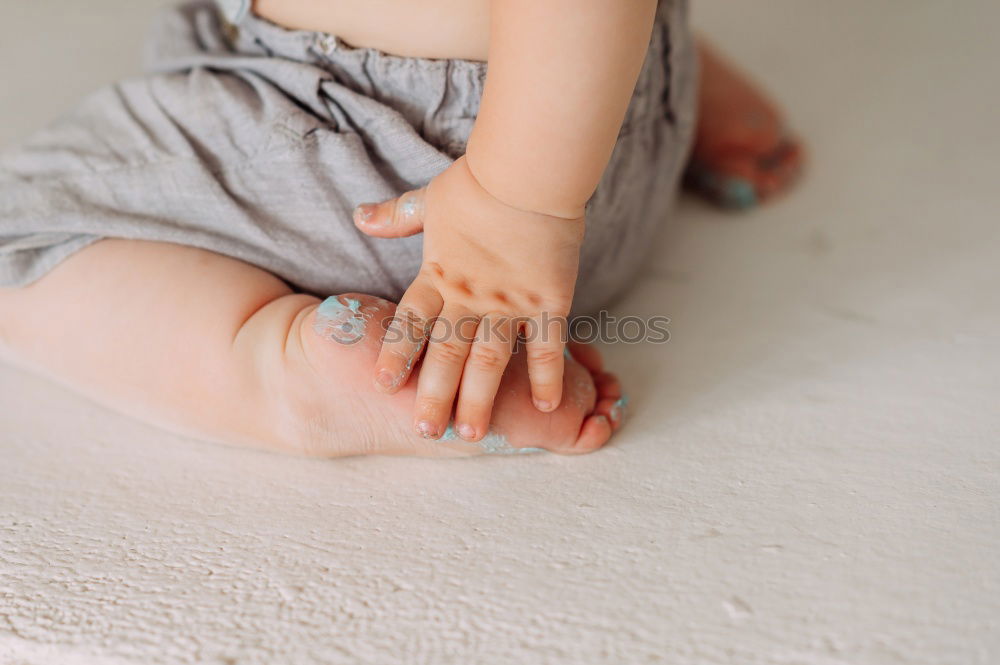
x=157 y=331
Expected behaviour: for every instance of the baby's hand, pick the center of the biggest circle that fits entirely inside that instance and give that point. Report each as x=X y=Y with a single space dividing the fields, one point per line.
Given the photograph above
x=488 y=272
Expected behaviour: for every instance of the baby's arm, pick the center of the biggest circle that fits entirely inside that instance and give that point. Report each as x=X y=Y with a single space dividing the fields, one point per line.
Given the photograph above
x=503 y=226
x=561 y=74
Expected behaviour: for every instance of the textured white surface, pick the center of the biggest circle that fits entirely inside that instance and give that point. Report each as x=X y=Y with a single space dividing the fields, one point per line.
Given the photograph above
x=811 y=476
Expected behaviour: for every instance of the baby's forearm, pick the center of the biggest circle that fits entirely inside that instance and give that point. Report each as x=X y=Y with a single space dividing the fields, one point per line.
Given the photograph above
x=561 y=73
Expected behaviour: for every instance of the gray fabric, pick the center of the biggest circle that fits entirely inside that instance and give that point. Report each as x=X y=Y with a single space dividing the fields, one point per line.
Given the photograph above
x=257 y=142
x=234 y=10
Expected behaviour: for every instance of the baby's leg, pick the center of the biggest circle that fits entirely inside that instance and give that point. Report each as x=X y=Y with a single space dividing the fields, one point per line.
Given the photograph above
x=214 y=347
x=743 y=151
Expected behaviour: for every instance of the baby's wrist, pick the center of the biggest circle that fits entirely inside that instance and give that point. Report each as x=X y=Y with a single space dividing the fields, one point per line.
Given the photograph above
x=508 y=187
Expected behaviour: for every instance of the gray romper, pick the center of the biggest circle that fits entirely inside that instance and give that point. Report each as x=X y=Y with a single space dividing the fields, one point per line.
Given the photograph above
x=257 y=142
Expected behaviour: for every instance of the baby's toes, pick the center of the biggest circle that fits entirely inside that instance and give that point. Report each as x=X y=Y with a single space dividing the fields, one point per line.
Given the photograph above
x=733 y=182
x=611 y=401
x=740 y=179
x=594 y=434
x=614 y=409
x=599 y=411
x=779 y=169
x=608 y=386
x=587 y=355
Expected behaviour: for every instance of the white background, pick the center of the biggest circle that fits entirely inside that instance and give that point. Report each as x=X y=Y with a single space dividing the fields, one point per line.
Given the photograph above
x=811 y=475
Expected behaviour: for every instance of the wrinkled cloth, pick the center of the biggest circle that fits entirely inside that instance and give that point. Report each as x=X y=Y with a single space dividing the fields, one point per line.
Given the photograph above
x=257 y=142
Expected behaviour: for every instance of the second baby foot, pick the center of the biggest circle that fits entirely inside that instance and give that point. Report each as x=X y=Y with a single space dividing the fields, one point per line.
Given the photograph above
x=743 y=153
x=334 y=409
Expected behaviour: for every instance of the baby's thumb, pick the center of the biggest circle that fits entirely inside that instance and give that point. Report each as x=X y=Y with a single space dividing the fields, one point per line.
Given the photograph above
x=399 y=217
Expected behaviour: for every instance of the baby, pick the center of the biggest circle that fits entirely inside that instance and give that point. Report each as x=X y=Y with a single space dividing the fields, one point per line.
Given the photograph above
x=163 y=247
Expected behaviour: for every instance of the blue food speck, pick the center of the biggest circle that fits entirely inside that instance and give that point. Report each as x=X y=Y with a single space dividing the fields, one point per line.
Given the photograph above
x=343 y=323
x=491 y=444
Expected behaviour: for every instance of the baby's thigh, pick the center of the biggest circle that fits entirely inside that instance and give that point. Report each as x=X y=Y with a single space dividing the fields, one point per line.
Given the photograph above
x=136 y=289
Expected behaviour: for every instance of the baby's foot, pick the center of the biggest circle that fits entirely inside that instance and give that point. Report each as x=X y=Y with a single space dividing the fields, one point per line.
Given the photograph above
x=743 y=153
x=335 y=410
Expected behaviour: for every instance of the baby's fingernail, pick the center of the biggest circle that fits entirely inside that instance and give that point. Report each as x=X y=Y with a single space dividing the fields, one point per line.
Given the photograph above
x=467 y=432
x=385 y=380
x=542 y=405
x=409 y=206
x=364 y=213
x=427 y=429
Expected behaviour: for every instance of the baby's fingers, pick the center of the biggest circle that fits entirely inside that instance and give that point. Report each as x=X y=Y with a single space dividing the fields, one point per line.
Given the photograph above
x=404 y=339
x=484 y=370
x=544 y=345
x=396 y=218
x=441 y=372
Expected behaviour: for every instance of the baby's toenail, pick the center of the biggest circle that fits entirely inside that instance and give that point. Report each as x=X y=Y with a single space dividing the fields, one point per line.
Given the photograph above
x=619 y=409
x=542 y=405
x=427 y=429
x=738 y=193
x=467 y=432
x=385 y=379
